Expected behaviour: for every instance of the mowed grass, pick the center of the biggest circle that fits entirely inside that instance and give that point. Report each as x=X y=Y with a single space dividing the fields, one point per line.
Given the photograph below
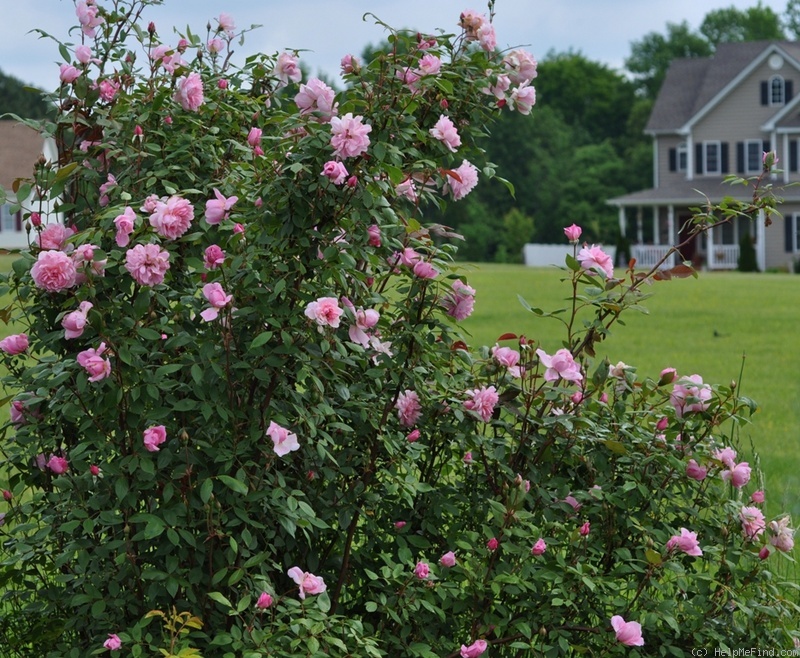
x=706 y=326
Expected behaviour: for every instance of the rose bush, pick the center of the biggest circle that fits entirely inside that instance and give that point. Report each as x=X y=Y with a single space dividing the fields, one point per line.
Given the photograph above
x=244 y=421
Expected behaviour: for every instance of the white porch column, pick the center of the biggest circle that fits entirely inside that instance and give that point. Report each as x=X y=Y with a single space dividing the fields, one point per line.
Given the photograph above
x=656 y=228
x=622 y=221
x=639 y=232
x=761 y=240
x=710 y=261
x=671 y=237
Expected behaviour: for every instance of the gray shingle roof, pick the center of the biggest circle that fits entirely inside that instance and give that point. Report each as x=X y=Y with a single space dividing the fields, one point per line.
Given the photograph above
x=691 y=83
x=695 y=193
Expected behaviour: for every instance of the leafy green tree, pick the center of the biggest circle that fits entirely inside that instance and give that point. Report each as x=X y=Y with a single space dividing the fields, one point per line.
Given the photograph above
x=18 y=98
x=733 y=25
x=651 y=56
x=518 y=228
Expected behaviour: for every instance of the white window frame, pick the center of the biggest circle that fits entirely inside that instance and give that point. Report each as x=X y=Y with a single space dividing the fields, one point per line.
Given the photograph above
x=777 y=90
x=8 y=222
x=795 y=217
x=682 y=157
x=757 y=145
x=706 y=146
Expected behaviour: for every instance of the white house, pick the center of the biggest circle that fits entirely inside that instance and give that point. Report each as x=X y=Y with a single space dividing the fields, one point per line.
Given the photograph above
x=20 y=149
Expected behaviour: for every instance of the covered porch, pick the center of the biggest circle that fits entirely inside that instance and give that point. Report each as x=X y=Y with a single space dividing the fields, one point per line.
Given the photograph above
x=653 y=221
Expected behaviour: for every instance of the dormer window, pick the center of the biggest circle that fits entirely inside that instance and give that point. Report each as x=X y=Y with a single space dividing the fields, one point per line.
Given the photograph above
x=777 y=90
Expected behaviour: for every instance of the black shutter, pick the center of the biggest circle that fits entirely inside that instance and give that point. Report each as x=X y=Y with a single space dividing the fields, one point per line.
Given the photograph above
x=792 y=155
x=765 y=146
x=764 y=92
x=673 y=159
x=18 y=221
x=787 y=90
x=740 y=157
x=698 y=158
x=724 y=168
x=788 y=232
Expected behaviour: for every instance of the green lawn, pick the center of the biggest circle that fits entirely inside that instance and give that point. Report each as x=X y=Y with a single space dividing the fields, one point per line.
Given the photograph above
x=704 y=326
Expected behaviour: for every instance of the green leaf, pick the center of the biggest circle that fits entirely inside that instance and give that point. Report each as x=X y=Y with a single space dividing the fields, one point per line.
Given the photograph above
x=233 y=484
x=219 y=597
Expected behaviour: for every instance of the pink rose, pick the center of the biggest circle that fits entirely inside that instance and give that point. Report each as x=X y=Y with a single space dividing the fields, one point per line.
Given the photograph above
x=217 y=297
x=585 y=529
x=573 y=233
x=487 y=37
x=408 y=408
x=474 y=650
x=58 y=465
x=686 y=542
x=335 y=171
x=461 y=180
x=54 y=236
x=254 y=137
x=113 y=643
x=446 y=132
x=74 y=323
x=349 y=136
x=147 y=264
x=508 y=358
x=173 y=218
x=264 y=601
x=753 y=523
x=482 y=401
x=690 y=394
x=521 y=66
x=93 y=362
x=572 y=502
x=87 y=17
x=399 y=525
x=523 y=99
x=374 y=233
x=108 y=90
x=471 y=21
x=662 y=424
x=422 y=570
x=287 y=69
x=429 y=64
x=781 y=535
x=68 y=73
x=738 y=474
x=365 y=320
x=757 y=496
x=124 y=224
x=424 y=270
x=539 y=547
x=219 y=208
x=226 y=24
x=83 y=54
x=215 y=46
x=560 y=365
x=467 y=458
x=214 y=257
x=628 y=633
x=726 y=455
x=667 y=376
x=325 y=312
x=448 y=559
x=349 y=64
x=14 y=344
x=413 y=436
x=283 y=440
x=153 y=437
x=316 y=96
x=94 y=470
x=695 y=471
x=308 y=582
x=54 y=271
x=189 y=92
x=594 y=258
x=460 y=301
x=493 y=544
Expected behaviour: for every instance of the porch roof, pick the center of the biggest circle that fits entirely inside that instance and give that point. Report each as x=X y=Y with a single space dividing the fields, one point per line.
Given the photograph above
x=700 y=191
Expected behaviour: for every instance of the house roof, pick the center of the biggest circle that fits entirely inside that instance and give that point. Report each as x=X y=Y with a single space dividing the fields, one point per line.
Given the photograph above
x=691 y=84
x=696 y=193
x=20 y=148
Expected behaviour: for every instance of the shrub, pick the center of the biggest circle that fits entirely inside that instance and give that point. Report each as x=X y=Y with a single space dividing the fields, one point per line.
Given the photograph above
x=244 y=421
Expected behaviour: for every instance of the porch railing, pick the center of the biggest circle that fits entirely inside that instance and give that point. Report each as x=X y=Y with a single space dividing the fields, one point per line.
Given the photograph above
x=647 y=255
x=723 y=256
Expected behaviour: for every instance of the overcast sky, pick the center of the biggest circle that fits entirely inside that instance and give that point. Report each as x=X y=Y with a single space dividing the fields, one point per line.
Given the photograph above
x=602 y=30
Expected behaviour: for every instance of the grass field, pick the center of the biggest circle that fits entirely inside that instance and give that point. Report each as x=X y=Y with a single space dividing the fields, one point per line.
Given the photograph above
x=705 y=326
